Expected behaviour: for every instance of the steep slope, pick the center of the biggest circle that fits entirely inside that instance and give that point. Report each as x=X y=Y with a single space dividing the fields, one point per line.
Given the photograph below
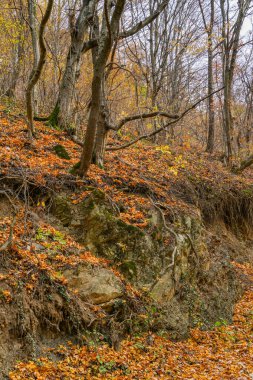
x=223 y=353
x=146 y=244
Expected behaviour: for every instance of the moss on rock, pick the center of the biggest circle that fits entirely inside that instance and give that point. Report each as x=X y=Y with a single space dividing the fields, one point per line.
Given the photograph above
x=61 y=152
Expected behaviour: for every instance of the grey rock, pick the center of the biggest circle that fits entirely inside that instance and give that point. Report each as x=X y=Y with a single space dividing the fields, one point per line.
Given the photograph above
x=95 y=285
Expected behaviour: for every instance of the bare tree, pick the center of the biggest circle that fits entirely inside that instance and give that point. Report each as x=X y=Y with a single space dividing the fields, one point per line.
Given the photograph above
x=18 y=51
x=108 y=34
x=37 y=68
x=230 y=46
x=246 y=80
x=209 y=28
x=161 y=52
x=33 y=24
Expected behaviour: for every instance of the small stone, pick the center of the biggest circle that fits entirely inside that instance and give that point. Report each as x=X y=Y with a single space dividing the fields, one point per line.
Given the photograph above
x=38 y=247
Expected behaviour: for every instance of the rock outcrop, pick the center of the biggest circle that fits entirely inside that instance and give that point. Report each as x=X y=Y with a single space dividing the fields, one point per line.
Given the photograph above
x=191 y=284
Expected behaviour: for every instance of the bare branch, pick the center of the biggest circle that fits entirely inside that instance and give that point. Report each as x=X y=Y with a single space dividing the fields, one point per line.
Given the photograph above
x=143 y=116
x=128 y=33
x=145 y=136
x=107 y=19
x=88 y=45
x=140 y=25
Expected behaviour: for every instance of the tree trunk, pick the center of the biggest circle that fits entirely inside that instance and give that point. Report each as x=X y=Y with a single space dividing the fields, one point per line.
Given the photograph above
x=100 y=143
x=108 y=34
x=211 y=114
x=18 y=53
x=62 y=113
x=102 y=129
x=36 y=72
x=16 y=70
x=101 y=135
x=92 y=122
x=248 y=123
x=35 y=48
x=227 y=115
x=231 y=38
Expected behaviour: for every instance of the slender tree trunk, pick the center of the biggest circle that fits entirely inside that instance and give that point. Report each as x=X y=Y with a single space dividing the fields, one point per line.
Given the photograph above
x=62 y=113
x=36 y=72
x=17 y=54
x=102 y=129
x=227 y=115
x=90 y=135
x=16 y=70
x=155 y=138
x=211 y=113
x=248 y=123
x=231 y=37
x=153 y=47
x=35 y=47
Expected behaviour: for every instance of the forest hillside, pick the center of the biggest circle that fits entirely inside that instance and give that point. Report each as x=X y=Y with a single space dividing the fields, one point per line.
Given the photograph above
x=126 y=189
x=101 y=276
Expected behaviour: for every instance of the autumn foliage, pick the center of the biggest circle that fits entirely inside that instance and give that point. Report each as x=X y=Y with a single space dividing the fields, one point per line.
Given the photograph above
x=224 y=353
x=131 y=178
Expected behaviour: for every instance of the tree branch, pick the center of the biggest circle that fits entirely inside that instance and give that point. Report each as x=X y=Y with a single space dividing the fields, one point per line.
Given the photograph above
x=145 y=136
x=128 y=33
x=88 y=45
x=147 y=115
x=140 y=25
x=36 y=73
